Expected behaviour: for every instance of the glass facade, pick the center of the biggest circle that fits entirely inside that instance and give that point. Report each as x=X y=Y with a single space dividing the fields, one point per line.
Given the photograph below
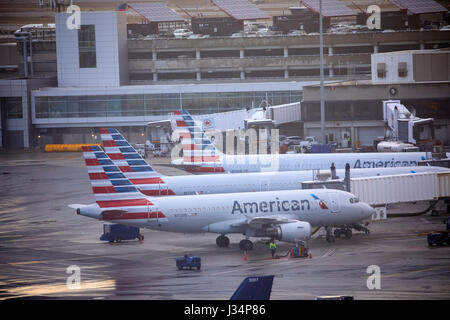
x=133 y=105
x=86 y=46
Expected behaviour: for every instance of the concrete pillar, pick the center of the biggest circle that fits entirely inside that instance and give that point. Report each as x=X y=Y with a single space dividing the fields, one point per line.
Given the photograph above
x=285 y=52
x=26 y=126
x=375 y=48
x=1 y=130
x=154 y=56
x=331 y=71
x=197 y=54
x=242 y=74
x=198 y=75
x=352 y=136
x=422 y=46
x=286 y=73
x=330 y=50
x=241 y=53
x=155 y=76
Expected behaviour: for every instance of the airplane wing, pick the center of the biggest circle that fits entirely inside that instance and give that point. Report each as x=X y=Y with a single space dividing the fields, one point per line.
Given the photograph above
x=258 y=222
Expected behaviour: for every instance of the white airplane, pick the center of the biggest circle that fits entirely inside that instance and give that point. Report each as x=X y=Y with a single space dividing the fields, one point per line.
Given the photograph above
x=285 y=215
x=121 y=154
x=200 y=155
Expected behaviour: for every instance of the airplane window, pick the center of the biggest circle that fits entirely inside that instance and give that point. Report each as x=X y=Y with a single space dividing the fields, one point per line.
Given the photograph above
x=351 y=200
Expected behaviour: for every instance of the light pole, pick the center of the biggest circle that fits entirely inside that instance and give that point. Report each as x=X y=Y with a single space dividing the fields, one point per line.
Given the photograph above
x=322 y=95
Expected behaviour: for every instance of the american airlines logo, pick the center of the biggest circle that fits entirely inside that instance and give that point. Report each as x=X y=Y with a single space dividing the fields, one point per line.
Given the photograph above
x=383 y=164
x=270 y=206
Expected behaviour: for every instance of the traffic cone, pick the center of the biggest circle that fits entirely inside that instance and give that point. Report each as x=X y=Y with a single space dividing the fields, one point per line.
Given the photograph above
x=310 y=255
x=245 y=255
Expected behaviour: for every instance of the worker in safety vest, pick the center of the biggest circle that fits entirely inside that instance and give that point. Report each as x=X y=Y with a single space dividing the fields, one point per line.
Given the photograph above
x=272 y=247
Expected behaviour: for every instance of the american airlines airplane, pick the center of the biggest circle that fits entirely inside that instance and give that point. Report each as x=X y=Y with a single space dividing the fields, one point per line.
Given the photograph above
x=200 y=155
x=151 y=183
x=286 y=215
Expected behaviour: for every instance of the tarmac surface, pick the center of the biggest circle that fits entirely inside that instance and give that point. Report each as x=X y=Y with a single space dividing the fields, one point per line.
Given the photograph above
x=40 y=238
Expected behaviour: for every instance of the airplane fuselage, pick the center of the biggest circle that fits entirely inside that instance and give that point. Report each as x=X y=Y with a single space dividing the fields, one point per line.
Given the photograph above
x=291 y=162
x=227 y=213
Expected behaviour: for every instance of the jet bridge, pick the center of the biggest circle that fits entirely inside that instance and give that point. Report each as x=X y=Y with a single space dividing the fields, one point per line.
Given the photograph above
x=403 y=125
x=381 y=191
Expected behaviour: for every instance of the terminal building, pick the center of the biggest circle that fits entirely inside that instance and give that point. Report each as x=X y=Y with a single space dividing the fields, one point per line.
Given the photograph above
x=420 y=79
x=96 y=76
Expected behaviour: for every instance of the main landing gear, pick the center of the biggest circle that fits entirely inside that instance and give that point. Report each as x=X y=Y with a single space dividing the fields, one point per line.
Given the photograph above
x=345 y=231
x=246 y=245
x=223 y=242
x=331 y=236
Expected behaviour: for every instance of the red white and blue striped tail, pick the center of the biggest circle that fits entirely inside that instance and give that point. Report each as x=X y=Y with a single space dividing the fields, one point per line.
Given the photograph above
x=132 y=165
x=124 y=155
x=114 y=193
x=197 y=148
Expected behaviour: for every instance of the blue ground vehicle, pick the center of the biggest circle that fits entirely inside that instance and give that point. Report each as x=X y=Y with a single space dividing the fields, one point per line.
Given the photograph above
x=119 y=232
x=189 y=262
x=440 y=238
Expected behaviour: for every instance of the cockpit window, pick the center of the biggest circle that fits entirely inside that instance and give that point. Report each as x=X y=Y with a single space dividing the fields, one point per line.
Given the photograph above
x=354 y=200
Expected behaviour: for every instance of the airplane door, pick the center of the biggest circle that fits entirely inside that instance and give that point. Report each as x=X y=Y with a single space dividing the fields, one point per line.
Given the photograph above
x=152 y=214
x=334 y=202
x=163 y=189
x=149 y=210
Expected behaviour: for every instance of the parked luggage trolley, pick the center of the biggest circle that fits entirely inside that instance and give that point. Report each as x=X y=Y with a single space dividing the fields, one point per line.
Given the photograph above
x=119 y=232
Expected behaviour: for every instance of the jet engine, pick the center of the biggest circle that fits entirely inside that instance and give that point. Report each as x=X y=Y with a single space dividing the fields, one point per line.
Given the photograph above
x=294 y=231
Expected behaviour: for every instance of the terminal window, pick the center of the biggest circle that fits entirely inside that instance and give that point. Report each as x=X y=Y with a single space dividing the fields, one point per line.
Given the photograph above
x=402 y=70
x=12 y=107
x=381 y=70
x=86 y=46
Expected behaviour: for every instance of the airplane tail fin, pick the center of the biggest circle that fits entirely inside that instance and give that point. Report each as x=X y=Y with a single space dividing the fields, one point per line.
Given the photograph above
x=198 y=149
x=254 y=288
x=132 y=165
x=122 y=153
x=112 y=190
x=106 y=171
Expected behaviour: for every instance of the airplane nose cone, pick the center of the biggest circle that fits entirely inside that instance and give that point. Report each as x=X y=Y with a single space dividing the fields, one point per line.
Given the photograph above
x=367 y=211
